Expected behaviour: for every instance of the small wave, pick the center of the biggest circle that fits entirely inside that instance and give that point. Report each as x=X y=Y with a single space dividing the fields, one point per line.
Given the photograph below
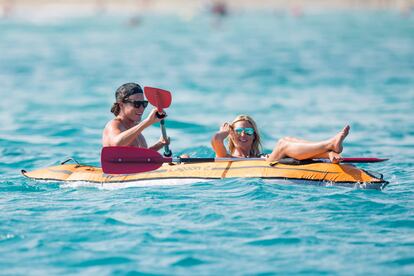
x=189 y=127
x=18 y=186
x=113 y=221
x=150 y=211
x=108 y=261
x=401 y=262
x=274 y=241
x=6 y=237
x=188 y=261
x=397 y=223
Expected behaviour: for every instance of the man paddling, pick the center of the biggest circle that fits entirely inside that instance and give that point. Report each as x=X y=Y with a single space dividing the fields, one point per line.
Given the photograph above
x=127 y=126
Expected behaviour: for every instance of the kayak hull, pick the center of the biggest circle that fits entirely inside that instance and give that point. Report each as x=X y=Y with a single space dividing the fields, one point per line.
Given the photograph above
x=316 y=173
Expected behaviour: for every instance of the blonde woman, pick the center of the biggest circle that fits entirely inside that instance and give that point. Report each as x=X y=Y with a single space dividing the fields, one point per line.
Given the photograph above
x=244 y=142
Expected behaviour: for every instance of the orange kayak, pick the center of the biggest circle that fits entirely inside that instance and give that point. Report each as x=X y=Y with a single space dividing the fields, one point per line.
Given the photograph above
x=315 y=173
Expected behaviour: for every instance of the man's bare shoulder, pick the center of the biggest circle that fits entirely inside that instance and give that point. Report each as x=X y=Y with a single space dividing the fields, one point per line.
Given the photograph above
x=113 y=125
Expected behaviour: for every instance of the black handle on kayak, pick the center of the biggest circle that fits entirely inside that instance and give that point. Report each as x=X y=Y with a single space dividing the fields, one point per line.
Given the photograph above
x=167 y=151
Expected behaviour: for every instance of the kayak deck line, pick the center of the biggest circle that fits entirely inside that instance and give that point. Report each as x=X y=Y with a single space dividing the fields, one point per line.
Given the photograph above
x=319 y=173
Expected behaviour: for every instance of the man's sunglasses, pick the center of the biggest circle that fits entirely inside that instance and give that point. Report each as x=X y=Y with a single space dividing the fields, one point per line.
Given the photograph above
x=247 y=130
x=137 y=104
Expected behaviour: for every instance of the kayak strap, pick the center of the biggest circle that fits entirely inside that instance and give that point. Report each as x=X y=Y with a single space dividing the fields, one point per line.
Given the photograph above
x=292 y=161
x=374 y=174
x=68 y=160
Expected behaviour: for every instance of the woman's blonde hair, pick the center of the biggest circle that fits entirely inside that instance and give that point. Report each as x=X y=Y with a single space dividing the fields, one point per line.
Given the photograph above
x=256 y=149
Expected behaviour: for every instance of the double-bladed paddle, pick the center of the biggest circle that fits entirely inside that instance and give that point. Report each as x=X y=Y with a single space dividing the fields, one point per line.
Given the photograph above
x=127 y=160
x=161 y=99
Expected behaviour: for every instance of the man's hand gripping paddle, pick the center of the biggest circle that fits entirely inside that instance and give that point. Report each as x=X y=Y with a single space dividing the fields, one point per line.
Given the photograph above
x=161 y=99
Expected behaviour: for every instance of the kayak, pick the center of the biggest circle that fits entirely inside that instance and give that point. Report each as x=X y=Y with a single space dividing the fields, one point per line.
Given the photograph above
x=325 y=174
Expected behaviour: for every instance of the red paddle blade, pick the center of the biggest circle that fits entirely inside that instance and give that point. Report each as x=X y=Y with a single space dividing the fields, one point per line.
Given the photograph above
x=159 y=98
x=127 y=160
x=362 y=160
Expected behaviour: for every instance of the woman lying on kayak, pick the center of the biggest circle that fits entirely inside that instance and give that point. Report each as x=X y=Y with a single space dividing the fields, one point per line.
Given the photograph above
x=244 y=142
x=126 y=128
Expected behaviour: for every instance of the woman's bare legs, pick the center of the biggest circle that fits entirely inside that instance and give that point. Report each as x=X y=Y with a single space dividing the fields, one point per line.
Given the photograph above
x=297 y=150
x=297 y=140
x=331 y=155
x=302 y=149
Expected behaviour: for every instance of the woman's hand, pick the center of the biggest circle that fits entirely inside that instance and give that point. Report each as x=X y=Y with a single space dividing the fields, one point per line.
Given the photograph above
x=217 y=141
x=225 y=128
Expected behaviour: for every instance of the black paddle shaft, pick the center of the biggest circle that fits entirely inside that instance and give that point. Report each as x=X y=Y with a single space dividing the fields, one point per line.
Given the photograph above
x=167 y=151
x=196 y=160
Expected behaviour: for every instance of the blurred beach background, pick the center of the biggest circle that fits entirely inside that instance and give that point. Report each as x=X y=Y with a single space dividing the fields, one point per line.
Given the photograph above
x=189 y=8
x=300 y=68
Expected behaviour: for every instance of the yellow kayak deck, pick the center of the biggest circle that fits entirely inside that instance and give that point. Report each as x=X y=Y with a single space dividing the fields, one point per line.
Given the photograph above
x=342 y=174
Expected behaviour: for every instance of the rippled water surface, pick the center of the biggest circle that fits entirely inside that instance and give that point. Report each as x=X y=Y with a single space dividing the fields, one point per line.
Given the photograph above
x=304 y=77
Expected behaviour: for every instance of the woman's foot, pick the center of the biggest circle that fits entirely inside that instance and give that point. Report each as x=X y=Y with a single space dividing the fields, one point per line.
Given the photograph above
x=339 y=138
x=334 y=157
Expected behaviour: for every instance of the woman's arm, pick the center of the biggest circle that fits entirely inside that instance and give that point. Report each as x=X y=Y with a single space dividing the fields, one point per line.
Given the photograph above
x=217 y=142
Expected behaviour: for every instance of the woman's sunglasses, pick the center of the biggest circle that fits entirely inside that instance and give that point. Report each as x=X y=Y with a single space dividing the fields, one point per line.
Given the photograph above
x=137 y=104
x=247 y=130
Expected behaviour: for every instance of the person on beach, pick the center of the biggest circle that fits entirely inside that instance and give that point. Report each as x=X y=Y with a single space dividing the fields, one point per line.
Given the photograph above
x=126 y=128
x=245 y=142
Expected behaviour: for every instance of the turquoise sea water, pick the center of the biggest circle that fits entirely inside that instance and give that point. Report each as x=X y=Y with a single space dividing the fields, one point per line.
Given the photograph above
x=304 y=77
